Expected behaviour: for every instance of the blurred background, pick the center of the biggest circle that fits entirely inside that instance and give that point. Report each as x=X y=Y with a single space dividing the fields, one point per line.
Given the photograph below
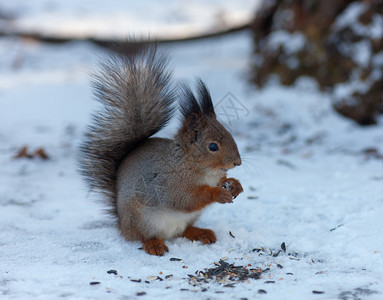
x=339 y=46
x=119 y=19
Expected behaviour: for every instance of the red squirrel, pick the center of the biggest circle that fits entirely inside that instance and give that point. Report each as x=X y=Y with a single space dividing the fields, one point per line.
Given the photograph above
x=156 y=187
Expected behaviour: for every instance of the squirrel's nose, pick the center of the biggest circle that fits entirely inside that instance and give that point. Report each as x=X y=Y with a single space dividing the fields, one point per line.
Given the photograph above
x=238 y=162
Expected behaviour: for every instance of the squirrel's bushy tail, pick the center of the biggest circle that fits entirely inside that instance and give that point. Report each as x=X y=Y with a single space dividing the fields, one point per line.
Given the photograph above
x=137 y=101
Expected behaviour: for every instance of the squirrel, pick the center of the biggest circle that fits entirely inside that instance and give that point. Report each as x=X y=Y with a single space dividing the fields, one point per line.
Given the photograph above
x=155 y=187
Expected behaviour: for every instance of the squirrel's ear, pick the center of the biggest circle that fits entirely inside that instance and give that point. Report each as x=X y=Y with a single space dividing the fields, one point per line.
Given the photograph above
x=194 y=116
x=189 y=104
x=205 y=102
x=192 y=127
x=194 y=124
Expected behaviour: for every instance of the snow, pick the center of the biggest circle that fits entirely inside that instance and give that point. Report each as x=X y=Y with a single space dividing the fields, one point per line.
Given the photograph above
x=360 y=51
x=350 y=17
x=116 y=18
x=350 y=14
x=291 y=42
x=307 y=178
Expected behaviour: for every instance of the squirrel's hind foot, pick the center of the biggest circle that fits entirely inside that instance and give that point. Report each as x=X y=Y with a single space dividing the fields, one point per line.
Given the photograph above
x=206 y=236
x=155 y=247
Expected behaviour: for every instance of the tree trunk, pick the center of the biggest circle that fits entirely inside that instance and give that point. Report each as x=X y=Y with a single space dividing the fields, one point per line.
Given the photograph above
x=338 y=43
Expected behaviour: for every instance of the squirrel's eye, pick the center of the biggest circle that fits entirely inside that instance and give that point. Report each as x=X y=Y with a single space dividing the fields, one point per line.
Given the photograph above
x=213 y=147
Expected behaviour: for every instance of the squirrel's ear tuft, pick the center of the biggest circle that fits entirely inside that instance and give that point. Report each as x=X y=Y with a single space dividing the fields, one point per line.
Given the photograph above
x=189 y=104
x=193 y=117
x=205 y=102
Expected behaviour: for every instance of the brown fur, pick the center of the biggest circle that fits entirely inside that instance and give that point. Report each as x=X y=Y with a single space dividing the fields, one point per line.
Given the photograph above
x=205 y=195
x=155 y=247
x=133 y=87
x=206 y=236
x=157 y=187
x=235 y=186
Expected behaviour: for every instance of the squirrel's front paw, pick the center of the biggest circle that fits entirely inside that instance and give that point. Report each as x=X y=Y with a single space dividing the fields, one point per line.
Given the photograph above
x=224 y=196
x=233 y=186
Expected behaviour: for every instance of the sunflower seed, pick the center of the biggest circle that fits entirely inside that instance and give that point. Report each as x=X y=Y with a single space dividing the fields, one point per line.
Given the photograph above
x=283 y=246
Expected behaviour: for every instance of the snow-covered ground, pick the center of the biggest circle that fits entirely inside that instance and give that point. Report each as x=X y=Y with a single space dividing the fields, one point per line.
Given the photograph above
x=312 y=180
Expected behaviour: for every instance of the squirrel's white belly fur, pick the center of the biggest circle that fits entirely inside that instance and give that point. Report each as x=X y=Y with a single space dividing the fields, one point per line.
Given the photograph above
x=213 y=176
x=168 y=224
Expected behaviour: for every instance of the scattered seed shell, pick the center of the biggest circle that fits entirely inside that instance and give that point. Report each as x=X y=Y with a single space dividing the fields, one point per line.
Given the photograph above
x=247 y=257
x=227 y=274
x=276 y=254
x=283 y=246
x=175 y=259
x=293 y=258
